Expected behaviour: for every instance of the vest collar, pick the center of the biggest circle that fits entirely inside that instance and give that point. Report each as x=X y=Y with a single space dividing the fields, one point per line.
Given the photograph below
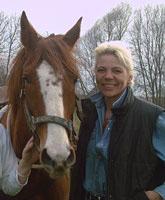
x=128 y=101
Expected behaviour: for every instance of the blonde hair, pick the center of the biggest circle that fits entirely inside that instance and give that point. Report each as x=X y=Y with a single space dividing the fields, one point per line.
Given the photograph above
x=120 y=51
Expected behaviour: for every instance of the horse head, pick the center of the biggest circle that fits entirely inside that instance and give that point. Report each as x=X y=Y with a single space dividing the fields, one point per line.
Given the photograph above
x=42 y=96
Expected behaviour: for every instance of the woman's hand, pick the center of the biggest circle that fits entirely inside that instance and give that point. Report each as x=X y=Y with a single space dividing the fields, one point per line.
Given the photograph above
x=30 y=153
x=29 y=156
x=153 y=195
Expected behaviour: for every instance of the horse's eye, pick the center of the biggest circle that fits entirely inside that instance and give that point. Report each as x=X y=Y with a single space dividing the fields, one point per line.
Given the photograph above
x=26 y=79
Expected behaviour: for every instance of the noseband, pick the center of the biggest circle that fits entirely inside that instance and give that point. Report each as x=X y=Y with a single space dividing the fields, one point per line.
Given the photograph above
x=32 y=123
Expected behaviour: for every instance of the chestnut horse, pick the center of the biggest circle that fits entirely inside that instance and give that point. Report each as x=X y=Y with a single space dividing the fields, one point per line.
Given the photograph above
x=41 y=95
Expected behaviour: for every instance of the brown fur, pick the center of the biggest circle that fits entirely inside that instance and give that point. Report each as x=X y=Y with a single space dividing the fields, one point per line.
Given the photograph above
x=57 y=51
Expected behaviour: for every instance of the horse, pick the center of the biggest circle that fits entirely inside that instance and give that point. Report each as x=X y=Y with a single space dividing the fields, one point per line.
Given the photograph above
x=41 y=102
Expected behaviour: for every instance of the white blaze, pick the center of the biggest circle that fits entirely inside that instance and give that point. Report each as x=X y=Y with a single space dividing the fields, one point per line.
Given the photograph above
x=57 y=141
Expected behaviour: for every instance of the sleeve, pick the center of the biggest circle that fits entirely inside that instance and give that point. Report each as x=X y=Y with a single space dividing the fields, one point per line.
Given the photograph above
x=9 y=164
x=159 y=146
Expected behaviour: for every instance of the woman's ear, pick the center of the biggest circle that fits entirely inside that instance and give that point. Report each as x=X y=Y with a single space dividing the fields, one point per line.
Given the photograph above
x=130 y=80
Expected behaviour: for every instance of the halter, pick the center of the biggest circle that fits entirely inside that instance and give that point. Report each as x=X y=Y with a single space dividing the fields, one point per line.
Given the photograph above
x=33 y=122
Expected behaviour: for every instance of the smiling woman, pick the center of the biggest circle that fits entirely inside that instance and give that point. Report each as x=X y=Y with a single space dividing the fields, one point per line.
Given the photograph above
x=121 y=147
x=114 y=70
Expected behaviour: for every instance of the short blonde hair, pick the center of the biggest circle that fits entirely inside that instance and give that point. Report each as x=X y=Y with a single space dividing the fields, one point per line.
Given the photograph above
x=120 y=51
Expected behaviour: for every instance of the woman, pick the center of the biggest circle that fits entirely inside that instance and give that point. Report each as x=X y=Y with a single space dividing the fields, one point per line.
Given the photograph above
x=13 y=173
x=121 y=147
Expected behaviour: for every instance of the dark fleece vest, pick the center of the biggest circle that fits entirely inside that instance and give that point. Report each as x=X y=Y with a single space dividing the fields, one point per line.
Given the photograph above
x=133 y=164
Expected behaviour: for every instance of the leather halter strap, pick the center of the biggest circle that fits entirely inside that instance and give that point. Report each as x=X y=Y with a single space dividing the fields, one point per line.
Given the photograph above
x=32 y=123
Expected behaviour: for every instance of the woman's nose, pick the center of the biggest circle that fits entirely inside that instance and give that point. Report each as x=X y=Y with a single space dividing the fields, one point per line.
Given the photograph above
x=108 y=74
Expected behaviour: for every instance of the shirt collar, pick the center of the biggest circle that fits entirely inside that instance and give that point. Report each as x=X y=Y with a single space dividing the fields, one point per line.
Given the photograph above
x=98 y=99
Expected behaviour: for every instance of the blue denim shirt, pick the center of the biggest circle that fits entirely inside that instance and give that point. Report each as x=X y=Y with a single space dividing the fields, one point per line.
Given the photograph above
x=97 y=151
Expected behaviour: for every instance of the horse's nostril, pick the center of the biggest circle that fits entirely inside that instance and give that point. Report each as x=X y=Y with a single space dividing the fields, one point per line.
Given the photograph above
x=45 y=158
x=72 y=158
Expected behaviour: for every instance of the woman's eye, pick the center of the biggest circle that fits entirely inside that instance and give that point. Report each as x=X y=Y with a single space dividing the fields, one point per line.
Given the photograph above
x=100 y=70
x=117 y=71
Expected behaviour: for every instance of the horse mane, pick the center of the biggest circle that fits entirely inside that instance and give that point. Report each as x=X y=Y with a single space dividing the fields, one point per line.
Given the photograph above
x=14 y=80
x=52 y=49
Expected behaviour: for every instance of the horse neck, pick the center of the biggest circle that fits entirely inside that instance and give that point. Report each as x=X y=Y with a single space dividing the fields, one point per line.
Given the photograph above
x=19 y=131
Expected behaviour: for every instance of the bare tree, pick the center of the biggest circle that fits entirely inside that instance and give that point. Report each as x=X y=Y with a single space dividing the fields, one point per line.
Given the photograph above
x=85 y=56
x=3 y=26
x=148 y=42
x=112 y=26
x=2 y=72
x=115 y=24
x=12 y=43
x=9 y=42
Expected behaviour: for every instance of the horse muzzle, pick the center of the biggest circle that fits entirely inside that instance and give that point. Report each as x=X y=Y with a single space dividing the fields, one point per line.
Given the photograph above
x=54 y=167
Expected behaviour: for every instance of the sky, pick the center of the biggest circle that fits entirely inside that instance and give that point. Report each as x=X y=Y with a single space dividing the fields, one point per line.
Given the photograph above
x=58 y=16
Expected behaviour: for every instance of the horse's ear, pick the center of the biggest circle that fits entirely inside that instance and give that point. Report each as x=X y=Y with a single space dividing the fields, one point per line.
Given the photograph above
x=29 y=36
x=73 y=34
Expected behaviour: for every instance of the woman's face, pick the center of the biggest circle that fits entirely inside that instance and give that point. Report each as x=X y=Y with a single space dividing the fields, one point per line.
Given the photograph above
x=111 y=76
